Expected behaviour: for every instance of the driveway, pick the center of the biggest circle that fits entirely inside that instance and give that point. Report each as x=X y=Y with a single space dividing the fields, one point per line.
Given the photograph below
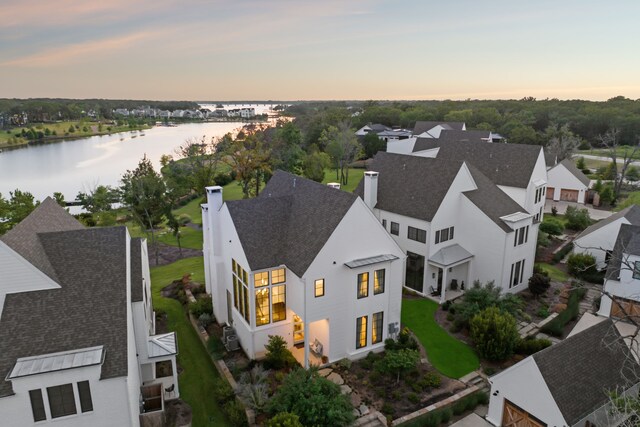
x=562 y=208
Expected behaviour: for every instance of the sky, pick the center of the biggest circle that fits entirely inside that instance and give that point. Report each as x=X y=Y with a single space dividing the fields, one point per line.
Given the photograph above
x=331 y=49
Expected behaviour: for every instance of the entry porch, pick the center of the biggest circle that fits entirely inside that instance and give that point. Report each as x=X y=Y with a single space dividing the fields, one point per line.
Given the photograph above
x=449 y=272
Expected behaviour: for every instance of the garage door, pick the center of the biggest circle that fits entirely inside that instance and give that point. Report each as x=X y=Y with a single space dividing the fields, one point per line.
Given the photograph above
x=569 y=195
x=550 y=191
x=623 y=308
x=514 y=416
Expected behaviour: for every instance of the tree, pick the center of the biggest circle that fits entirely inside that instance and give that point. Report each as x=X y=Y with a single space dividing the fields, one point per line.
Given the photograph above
x=538 y=284
x=633 y=173
x=577 y=219
x=343 y=148
x=314 y=164
x=19 y=205
x=251 y=161
x=494 y=333
x=561 y=142
x=399 y=361
x=59 y=198
x=174 y=226
x=610 y=140
x=200 y=161
x=580 y=163
x=286 y=148
x=98 y=199
x=314 y=399
x=606 y=195
x=277 y=355
x=372 y=144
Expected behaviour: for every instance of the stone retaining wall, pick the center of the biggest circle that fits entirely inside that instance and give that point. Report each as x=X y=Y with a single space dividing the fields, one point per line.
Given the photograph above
x=438 y=405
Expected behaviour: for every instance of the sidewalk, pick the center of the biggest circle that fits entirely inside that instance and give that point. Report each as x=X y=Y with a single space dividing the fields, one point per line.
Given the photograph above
x=596 y=214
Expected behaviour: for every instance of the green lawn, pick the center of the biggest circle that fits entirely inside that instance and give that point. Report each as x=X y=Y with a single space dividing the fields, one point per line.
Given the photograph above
x=632 y=199
x=451 y=357
x=554 y=272
x=605 y=152
x=196 y=379
x=355 y=176
x=559 y=218
x=192 y=209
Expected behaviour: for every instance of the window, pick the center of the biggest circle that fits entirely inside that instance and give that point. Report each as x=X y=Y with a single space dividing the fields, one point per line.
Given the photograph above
x=262 y=307
x=378 y=282
x=363 y=285
x=61 y=400
x=376 y=328
x=261 y=279
x=384 y=223
x=37 y=405
x=279 y=303
x=444 y=235
x=521 y=236
x=636 y=270
x=86 y=404
x=361 y=332
x=278 y=276
x=236 y=297
x=319 y=288
x=417 y=234
x=395 y=228
x=517 y=273
x=245 y=300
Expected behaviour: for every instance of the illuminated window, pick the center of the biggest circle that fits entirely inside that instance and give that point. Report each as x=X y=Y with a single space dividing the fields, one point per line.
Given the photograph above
x=278 y=276
x=234 y=265
x=261 y=279
x=245 y=278
x=361 y=332
x=376 y=327
x=319 y=288
x=363 y=285
x=236 y=296
x=245 y=300
x=378 y=282
x=279 y=303
x=262 y=307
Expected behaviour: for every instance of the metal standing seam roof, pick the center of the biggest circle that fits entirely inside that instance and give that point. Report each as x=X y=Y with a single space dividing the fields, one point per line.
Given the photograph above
x=450 y=255
x=370 y=260
x=57 y=362
x=162 y=345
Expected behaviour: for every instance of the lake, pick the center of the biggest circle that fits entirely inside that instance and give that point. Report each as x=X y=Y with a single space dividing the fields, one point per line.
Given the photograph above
x=81 y=164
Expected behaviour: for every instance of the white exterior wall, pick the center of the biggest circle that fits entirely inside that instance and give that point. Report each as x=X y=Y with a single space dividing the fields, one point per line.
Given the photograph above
x=560 y=178
x=431 y=153
x=519 y=195
x=133 y=379
x=523 y=385
x=401 y=146
x=627 y=287
x=599 y=241
x=111 y=406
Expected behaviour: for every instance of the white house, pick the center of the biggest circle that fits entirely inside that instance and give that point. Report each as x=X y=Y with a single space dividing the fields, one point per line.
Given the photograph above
x=567 y=384
x=77 y=343
x=566 y=182
x=432 y=129
x=622 y=280
x=376 y=128
x=599 y=239
x=304 y=261
x=454 y=222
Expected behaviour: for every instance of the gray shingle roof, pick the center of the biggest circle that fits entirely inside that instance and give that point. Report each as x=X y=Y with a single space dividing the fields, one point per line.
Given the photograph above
x=411 y=185
x=627 y=243
x=580 y=370
x=465 y=135
x=377 y=127
x=274 y=228
x=136 y=269
x=423 y=126
x=90 y=308
x=632 y=214
x=504 y=164
x=550 y=159
x=571 y=167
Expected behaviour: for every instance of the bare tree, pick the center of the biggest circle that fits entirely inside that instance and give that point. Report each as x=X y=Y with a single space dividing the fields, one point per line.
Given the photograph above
x=562 y=142
x=615 y=151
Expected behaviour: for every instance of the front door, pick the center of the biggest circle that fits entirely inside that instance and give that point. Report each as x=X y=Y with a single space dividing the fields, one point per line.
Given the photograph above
x=439 y=280
x=415 y=272
x=514 y=416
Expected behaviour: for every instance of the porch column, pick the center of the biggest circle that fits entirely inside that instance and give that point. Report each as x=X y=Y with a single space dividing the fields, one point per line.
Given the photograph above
x=444 y=285
x=174 y=371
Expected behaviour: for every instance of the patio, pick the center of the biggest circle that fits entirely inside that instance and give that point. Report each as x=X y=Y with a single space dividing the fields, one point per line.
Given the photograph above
x=298 y=353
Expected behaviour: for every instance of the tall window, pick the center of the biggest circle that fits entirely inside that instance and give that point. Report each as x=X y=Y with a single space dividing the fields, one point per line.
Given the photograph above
x=262 y=307
x=361 y=332
x=395 y=228
x=517 y=273
x=363 y=285
x=417 y=234
x=384 y=223
x=240 y=279
x=86 y=404
x=444 y=235
x=37 y=405
x=61 y=400
x=319 y=288
x=378 y=282
x=636 y=270
x=376 y=327
x=521 y=236
x=279 y=303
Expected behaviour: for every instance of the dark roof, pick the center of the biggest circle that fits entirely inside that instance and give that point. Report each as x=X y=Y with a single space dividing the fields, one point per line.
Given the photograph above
x=23 y=238
x=632 y=214
x=465 y=135
x=550 y=159
x=423 y=126
x=494 y=202
x=289 y=223
x=571 y=167
x=377 y=127
x=136 y=269
x=89 y=309
x=413 y=186
x=627 y=243
x=504 y=164
x=581 y=370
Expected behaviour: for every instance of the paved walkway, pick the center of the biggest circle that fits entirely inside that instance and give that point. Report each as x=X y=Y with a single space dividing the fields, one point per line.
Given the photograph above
x=562 y=208
x=476 y=419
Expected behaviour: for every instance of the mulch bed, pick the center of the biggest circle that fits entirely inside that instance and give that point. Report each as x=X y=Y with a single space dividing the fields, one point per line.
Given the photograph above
x=168 y=254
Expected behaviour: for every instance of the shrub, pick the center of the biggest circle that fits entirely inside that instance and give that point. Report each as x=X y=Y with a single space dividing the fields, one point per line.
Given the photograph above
x=413 y=398
x=431 y=380
x=580 y=163
x=284 y=419
x=556 y=326
x=538 y=284
x=552 y=227
x=215 y=347
x=222 y=179
x=222 y=391
x=543 y=239
x=201 y=306
x=577 y=219
x=405 y=341
x=205 y=320
x=530 y=346
x=253 y=388
x=278 y=356
x=235 y=413
x=494 y=333
x=543 y=312
x=478 y=298
x=446 y=305
x=316 y=400
x=446 y=415
x=387 y=409
x=581 y=264
x=554 y=211
x=606 y=195
x=558 y=256
x=399 y=361
x=183 y=219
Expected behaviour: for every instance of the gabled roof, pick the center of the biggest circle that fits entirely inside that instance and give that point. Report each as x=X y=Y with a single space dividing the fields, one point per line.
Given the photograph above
x=631 y=214
x=465 y=135
x=423 y=126
x=582 y=369
x=510 y=165
x=377 y=127
x=627 y=243
x=411 y=185
x=289 y=223
x=571 y=167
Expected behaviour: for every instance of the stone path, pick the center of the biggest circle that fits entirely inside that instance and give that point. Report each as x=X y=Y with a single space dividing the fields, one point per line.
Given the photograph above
x=359 y=408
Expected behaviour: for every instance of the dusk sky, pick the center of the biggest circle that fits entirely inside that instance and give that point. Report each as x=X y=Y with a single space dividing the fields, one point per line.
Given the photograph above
x=330 y=49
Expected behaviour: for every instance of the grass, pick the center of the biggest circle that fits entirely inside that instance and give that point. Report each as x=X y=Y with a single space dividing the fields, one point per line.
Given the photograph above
x=355 y=176
x=554 y=272
x=602 y=152
x=451 y=357
x=192 y=209
x=559 y=218
x=631 y=199
x=196 y=381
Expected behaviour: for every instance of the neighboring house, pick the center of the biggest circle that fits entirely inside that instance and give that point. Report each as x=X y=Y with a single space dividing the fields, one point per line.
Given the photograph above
x=375 y=128
x=621 y=291
x=430 y=129
x=567 y=384
x=567 y=183
x=304 y=261
x=77 y=343
x=600 y=238
x=455 y=224
x=394 y=135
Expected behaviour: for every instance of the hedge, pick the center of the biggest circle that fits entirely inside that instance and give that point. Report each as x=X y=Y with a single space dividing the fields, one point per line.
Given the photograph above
x=558 y=256
x=556 y=326
x=443 y=415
